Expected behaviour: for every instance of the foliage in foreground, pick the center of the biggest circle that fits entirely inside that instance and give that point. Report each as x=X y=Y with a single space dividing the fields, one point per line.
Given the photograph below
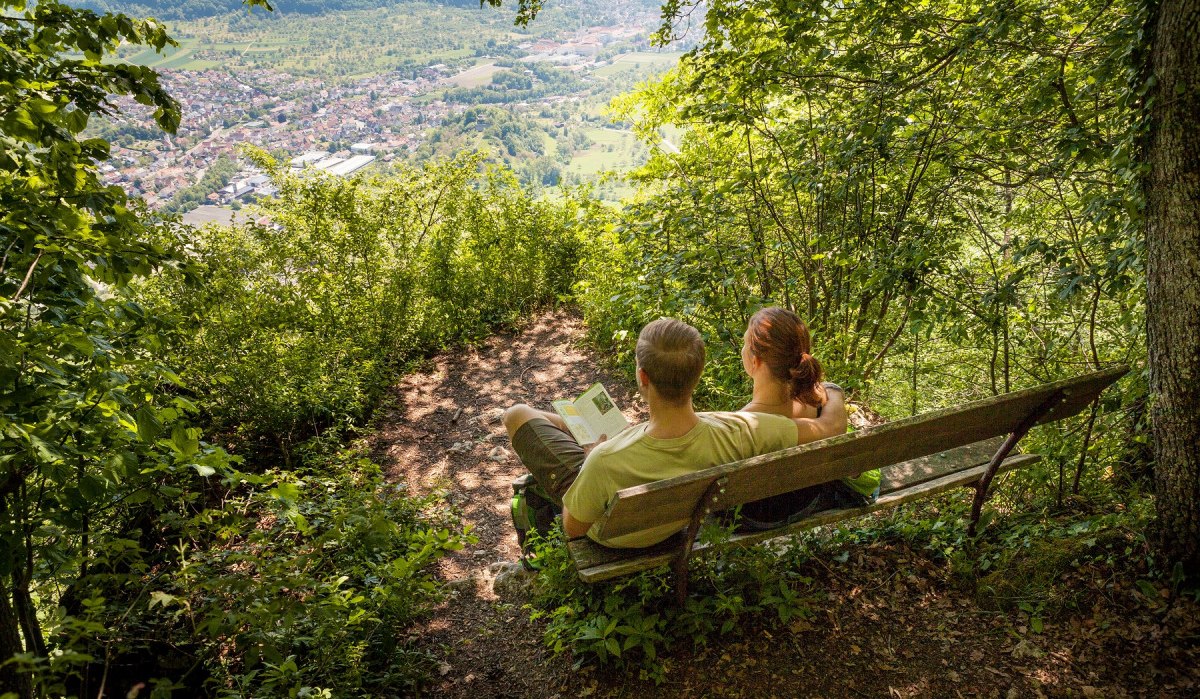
x=309 y=585
x=633 y=622
x=87 y=442
x=133 y=551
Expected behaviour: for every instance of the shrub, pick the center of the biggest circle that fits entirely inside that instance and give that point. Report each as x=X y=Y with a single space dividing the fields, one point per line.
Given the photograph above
x=630 y=623
x=290 y=584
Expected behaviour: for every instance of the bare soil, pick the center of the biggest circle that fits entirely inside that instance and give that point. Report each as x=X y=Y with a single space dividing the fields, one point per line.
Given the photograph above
x=892 y=621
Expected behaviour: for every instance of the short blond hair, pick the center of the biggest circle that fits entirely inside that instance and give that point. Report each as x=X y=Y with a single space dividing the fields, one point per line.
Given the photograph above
x=671 y=353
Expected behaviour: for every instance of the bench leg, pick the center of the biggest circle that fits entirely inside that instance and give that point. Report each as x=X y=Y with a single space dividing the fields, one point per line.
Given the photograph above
x=679 y=566
x=981 y=487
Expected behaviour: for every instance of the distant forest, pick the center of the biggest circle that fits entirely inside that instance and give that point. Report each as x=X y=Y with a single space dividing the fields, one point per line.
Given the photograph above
x=194 y=9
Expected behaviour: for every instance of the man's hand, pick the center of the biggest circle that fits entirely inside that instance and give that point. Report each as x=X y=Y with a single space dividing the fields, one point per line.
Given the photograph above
x=588 y=449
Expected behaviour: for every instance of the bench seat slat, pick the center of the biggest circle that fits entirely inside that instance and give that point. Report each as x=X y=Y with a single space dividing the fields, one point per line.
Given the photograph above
x=673 y=500
x=926 y=468
x=892 y=478
x=596 y=563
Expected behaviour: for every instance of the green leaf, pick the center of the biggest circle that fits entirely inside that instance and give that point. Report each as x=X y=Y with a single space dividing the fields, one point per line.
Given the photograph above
x=148 y=424
x=285 y=491
x=91 y=487
x=185 y=441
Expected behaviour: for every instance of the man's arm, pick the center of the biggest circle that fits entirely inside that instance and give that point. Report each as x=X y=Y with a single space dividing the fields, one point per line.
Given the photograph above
x=573 y=527
x=803 y=410
x=594 y=503
x=832 y=421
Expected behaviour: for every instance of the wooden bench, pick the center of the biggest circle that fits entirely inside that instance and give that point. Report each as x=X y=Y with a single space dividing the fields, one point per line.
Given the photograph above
x=919 y=456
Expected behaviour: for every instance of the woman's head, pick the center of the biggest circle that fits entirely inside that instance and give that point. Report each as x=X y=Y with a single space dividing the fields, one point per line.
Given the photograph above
x=778 y=339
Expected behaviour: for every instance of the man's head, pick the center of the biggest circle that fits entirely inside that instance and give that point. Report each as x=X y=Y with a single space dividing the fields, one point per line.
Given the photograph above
x=670 y=356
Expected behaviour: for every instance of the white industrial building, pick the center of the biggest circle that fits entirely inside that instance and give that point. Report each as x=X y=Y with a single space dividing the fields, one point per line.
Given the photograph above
x=327 y=163
x=309 y=158
x=350 y=165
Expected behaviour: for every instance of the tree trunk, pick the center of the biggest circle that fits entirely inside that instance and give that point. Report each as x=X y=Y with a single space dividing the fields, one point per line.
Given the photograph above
x=1172 y=189
x=11 y=679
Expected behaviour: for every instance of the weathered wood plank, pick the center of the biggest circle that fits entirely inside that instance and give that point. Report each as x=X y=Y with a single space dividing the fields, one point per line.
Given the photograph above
x=673 y=500
x=926 y=468
x=894 y=477
x=596 y=563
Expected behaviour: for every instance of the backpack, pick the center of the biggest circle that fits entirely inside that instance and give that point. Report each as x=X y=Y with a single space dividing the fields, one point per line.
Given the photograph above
x=532 y=512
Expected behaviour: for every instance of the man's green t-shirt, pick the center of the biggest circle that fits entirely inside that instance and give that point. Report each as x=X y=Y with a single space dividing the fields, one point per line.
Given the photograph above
x=634 y=458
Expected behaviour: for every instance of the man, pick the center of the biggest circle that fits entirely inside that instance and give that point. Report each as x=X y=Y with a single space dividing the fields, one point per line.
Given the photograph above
x=674 y=441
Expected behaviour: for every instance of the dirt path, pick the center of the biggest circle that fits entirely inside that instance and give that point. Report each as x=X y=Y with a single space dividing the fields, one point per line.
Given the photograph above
x=892 y=622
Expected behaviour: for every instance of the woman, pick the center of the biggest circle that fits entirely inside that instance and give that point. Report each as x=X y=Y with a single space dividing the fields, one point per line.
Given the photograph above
x=776 y=353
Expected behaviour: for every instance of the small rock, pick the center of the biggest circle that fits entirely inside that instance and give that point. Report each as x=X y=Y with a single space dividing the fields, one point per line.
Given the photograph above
x=491 y=415
x=499 y=455
x=466 y=584
x=443 y=669
x=460 y=448
x=1025 y=649
x=480 y=553
x=511 y=578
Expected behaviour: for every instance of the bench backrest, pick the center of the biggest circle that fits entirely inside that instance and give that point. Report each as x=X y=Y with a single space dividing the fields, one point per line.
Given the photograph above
x=675 y=499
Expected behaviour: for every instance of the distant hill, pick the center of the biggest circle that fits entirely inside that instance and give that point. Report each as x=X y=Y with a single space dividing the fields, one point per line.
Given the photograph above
x=194 y=9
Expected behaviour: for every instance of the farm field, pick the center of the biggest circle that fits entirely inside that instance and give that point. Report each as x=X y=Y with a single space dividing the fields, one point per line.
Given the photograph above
x=357 y=43
x=638 y=60
x=475 y=76
x=611 y=149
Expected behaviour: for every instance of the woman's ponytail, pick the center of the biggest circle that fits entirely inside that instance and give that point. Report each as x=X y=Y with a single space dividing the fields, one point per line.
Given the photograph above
x=779 y=338
x=806 y=376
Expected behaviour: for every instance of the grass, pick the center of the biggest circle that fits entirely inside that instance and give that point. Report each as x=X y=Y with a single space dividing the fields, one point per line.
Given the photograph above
x=610 y=150
x=636 y=60
x=476 y=76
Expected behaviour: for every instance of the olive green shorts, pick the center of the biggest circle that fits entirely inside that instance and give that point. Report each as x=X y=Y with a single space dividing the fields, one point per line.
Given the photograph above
x=551 y=455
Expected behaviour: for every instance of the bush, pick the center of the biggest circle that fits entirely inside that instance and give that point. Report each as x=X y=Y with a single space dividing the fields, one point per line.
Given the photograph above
x=291 y=584
x=313 y=582
x=291 y=329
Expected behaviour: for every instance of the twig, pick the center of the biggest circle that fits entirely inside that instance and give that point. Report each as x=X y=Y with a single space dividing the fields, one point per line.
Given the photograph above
x=28 y=276
x=1083 y=451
